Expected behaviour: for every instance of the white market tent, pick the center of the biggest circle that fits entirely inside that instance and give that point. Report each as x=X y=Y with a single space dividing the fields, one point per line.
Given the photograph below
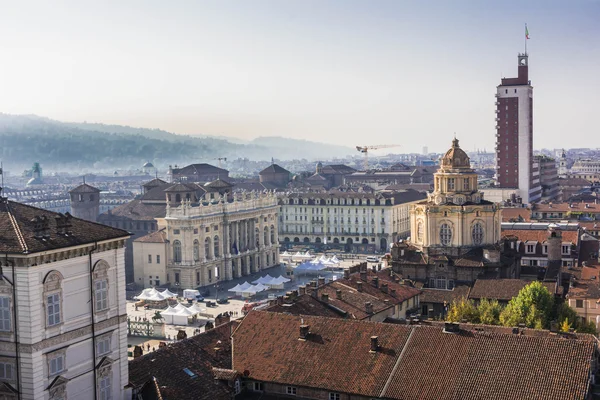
x=174 y=317
x=277 y=283
x=252 y=290
x=151 y=294
x=286 y=254
x=168 y=294
x=264 y=280
x=334 y=260
x=239 y=289
x=190 y=293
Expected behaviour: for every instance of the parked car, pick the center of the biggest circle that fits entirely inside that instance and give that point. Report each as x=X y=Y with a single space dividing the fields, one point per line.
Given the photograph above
x=199 y=298
x=210 y=304
x=223 y=300
x=372 y=259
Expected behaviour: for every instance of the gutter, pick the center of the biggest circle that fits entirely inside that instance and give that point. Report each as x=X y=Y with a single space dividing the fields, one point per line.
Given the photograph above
x=92 y=303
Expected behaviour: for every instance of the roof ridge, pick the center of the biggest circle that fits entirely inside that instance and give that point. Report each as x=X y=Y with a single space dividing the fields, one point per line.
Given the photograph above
x=393 y=372
x=16 y=227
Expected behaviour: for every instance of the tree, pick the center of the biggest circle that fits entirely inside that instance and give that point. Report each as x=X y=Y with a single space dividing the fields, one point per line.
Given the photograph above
x=489 y=312
x=533 y=307
x=462 y=309
x=565 y=326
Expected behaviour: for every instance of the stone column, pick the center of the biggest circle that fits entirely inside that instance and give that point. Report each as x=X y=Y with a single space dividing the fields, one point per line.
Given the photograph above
x=226 y=245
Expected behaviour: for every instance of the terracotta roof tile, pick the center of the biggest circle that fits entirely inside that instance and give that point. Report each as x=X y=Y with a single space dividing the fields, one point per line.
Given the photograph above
x=18 y=231
x=440 y=296
x=412 y=362
x=154 y=237
x=516 y=214
x=335 y=356
x=501 y=289
x=198 y=355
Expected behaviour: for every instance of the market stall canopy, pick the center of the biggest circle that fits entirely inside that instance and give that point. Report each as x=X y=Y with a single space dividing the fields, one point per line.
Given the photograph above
x=264 y=280
x=168 y=294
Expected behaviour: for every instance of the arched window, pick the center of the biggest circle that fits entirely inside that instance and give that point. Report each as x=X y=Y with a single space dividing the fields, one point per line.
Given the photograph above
x=272 y=234
x=266 y=234
x=445 y=235
x=196 y=250
x=177 y=251
x=477 y=234
x=257 y=237
x=216 y=246
x=420 y=232
x=207 y=248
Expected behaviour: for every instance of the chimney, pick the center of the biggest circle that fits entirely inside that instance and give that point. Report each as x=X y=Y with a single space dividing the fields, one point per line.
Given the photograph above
x=325 y=298
x=375 y=282
x=279 y=300
x=384 y=287
x=302 y=290
x=369 y=307
x=346 y=274
x=363 y=275
x=374 y=344
x=304 y=332
x=338 y=294
x=359 y=286
x=321 y=281
x=393 y=292
x=374 y=268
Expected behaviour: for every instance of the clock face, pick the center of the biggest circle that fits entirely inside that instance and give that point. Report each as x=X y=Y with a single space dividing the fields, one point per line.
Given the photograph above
x=438 y=200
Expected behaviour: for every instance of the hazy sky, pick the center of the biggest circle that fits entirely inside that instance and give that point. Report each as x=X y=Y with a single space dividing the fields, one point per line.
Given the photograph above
x=350 y=72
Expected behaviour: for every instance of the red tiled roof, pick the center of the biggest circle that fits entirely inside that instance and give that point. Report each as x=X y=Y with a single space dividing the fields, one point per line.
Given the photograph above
x=18 y=232
x=335 y=356
x=502 y=289
x=469 y=366
x=159 y=236
x=305 y=305
x=565 y=207
x=412 y=362
x=540 y=236
x=516 y=214
x=440 y=296
x=197 y=354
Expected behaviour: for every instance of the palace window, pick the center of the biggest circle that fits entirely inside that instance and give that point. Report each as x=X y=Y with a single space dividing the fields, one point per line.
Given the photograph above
x=207 y=248
x=6 y=371
x=477 y=234
x=196 y=250
x=53 y=298
x=177 y=251
x=56 y=363
x=450 y=183
x=420 y=231
x=101 y=294
x=5 y=314
x=445 y=235
x=216 y=246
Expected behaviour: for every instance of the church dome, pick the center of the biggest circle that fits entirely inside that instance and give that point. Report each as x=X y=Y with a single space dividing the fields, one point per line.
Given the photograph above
x=455 y=158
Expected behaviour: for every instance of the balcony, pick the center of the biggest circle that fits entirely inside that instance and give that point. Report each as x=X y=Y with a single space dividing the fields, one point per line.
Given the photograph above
x=497 y=119
x=496 y=95
x=497 y=103
x=497 y=126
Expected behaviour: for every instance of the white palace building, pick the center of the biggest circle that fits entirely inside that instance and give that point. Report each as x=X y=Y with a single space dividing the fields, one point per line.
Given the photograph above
x=63 y=322
x=216 y=237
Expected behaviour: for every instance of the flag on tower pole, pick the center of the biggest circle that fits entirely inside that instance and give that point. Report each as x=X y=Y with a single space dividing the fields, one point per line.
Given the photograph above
x=526 y=32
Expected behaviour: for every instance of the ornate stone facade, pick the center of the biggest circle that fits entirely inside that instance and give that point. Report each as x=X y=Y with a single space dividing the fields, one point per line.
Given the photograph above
x=455 y=233
x=222 y=238
x=455 y=216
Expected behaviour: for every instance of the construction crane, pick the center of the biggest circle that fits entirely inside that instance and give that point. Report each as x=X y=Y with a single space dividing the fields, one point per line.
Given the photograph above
x=365 y=151
x=220 y=159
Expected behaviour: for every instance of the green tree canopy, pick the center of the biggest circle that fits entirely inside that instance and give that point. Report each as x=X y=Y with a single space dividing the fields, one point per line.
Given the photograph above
x=533 y=307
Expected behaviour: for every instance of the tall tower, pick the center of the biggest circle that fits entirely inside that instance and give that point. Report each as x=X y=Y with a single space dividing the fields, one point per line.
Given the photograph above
x=85 y=202
x=514 y=134
x=562 y=165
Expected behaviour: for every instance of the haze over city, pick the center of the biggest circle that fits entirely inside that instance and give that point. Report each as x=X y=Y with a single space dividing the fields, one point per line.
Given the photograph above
x=345 y=72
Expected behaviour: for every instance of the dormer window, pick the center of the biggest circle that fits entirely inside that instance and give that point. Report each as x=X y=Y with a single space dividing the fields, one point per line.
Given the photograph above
x=566 y=249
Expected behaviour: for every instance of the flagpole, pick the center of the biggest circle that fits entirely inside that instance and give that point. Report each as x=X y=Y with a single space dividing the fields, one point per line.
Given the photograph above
x=525 y=38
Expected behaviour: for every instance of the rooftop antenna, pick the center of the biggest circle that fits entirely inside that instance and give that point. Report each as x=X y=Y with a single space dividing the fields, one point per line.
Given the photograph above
x=2 y=175
x=84 y=179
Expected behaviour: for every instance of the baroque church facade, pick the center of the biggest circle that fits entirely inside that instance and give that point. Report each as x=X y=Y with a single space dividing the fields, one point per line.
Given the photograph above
x=455 y=233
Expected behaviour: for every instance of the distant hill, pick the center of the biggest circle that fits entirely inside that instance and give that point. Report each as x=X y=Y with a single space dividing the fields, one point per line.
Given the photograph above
x=25 y=139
